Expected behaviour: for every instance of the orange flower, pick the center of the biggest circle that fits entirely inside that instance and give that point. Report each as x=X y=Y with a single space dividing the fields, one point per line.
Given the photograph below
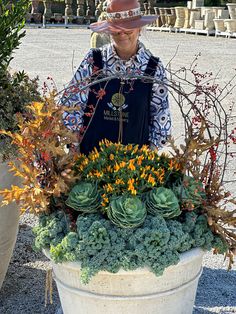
x=98 y=174
x=173 y=165
x=108 y=187
x=131 y=165
x=116 y=167
x=122 y=164
x=109 y=169
x=111 y=157
x=151 y=180
x=105 y=200
x=131 y=186
x=119 y=181
x=160 y=174
x=140 y=160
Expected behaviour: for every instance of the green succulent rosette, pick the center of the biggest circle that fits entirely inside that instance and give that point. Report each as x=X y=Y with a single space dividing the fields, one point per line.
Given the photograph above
x=162 y=201
x=84 y=197
x=127 y=211
x=189 y=191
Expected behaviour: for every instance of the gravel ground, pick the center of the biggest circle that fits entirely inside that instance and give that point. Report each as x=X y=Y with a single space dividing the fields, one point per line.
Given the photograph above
x=50 y=52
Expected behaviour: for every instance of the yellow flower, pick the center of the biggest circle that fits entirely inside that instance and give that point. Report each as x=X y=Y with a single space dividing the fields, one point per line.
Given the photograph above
x=111 y=157
x=143 y=175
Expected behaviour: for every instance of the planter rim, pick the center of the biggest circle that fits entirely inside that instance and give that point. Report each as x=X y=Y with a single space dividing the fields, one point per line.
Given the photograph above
x=184 y=258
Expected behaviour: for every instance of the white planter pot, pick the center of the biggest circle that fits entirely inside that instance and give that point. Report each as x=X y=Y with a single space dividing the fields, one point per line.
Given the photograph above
x=232 y=10
x=9 y=219
x=128 y=292
x=219 y=25
x=230 y=25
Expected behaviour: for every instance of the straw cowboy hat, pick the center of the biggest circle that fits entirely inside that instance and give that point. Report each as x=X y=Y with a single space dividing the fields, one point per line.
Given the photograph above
x=122 y=15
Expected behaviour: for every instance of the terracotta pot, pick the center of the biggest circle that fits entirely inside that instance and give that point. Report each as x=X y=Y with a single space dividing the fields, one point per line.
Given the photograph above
x=126 y=292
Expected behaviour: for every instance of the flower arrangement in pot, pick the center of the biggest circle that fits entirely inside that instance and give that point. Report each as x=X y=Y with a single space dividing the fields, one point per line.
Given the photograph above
x=125 y=226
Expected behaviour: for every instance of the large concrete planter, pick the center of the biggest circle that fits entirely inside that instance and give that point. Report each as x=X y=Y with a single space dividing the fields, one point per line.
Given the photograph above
x=9 y=219
x=129 y=292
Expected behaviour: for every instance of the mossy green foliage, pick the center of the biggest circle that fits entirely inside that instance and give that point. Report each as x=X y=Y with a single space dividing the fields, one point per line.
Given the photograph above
x=12 y=21
x=99 y=245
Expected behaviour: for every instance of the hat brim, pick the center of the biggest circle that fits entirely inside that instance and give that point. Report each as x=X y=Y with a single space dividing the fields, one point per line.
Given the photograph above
x=113 y=27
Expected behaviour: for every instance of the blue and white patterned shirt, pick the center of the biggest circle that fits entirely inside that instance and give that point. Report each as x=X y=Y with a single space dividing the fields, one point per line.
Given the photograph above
x=160 y=120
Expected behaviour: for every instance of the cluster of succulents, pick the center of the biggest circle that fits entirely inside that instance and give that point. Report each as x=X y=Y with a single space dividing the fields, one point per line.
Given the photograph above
x=129 y=211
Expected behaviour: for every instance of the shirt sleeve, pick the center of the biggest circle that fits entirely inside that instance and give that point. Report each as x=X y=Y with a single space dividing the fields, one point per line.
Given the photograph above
x=76 y=96
x=160 y=118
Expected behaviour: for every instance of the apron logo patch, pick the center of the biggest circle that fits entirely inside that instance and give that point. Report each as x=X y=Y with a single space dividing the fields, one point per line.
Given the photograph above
x=117 y=102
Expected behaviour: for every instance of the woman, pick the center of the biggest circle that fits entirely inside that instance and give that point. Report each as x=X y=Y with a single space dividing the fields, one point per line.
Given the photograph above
x=119 y=108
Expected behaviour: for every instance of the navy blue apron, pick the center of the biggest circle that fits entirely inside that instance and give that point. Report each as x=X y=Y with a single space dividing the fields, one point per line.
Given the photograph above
x=122 y=114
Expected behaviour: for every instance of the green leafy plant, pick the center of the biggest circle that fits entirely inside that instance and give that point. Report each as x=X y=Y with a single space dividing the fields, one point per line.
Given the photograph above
x=16 y=90
x=127 y=212
x=12 y=21
x=162 y=201
x=84 y=197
